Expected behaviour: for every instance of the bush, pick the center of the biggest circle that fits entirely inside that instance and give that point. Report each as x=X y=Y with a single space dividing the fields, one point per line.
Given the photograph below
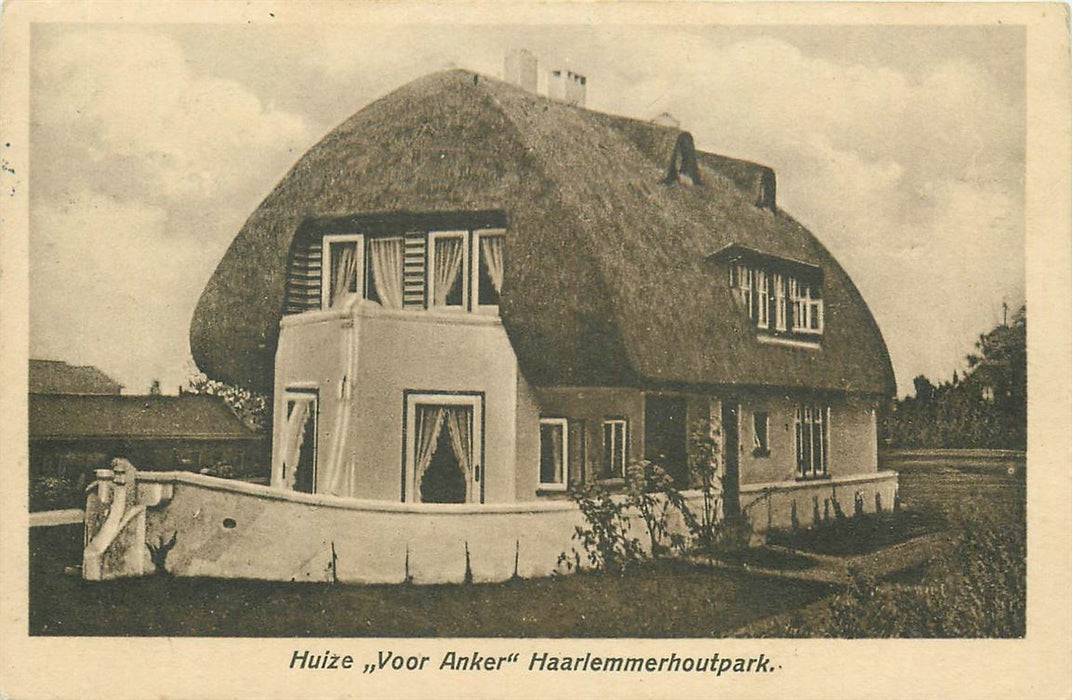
x=604 y=538
x=975 y=588
x=56 y=493
x=650 y=491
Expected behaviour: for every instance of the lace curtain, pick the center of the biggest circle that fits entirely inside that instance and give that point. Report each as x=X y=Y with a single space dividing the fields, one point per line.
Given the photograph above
x=386 y=255
x=491 y=247
x=448 y=265
x=293 y=435
x=430 y=422
x=344 y=272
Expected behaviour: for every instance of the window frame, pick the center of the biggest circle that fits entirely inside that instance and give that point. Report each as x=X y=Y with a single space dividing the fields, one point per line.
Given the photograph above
x=475 y=258
x=810 y=305
x=368 y=281
x=329 y=240
x=429 y=274
x=608 y=472
x=410 y=487
x=295 y=395
x=781 y=313
x=763 y=297
x=563 y=425
x=809 y=418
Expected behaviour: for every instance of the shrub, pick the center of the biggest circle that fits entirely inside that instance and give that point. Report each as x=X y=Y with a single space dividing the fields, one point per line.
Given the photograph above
x=604 y=538
x=650 y=491
x=56 y=492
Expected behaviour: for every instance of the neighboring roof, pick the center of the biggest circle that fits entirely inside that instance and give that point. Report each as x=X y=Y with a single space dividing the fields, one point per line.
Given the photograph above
x=187 y=416
x=607 y=278
x=58 y=377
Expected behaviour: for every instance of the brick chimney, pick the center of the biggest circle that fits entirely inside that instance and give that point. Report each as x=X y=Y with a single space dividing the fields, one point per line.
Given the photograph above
x=519 y=68
x=567 y=86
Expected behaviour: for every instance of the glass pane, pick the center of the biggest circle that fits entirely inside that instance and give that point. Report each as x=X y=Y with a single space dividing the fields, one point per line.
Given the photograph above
x=608 y=445
x=619 y=449
x=551 y=457
x=488 y=295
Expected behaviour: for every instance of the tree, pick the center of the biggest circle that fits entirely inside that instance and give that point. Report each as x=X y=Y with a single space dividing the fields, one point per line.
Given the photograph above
x=252 y=408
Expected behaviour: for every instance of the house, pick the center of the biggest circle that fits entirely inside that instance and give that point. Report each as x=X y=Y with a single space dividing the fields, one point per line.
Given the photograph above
x=469 y=292
x=469 y=296
x=72 y=434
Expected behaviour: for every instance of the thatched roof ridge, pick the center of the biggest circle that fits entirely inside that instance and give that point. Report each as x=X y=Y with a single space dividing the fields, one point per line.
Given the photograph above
x=608 y=278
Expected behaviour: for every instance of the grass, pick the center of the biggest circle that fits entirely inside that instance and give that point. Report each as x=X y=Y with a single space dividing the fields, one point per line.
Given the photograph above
x=973 y=583
x=659 y=599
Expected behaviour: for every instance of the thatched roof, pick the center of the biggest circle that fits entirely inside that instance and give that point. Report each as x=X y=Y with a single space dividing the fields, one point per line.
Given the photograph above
x=609 y=278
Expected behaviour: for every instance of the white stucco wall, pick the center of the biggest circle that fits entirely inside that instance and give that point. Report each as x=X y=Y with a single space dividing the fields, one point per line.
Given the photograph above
x=384 y=354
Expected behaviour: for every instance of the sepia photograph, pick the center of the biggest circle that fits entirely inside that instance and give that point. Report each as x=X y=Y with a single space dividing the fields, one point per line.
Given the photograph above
x=508 y=329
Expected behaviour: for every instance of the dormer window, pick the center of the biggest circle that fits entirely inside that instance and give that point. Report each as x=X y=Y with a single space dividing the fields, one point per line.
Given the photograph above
x=782 y=297
x=778 y=302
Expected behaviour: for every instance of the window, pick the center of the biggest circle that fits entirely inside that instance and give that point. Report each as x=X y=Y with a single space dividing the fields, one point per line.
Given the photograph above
x=778 y=302
x=554 y=451
x=341 y=274
x=812 y=441
x=444 y=448
x=762 y=299
x=780 y=311
x=615 y=449
x=298 y=464
x=488 y=249
x=384 y=273
x=760 y=434
x=807 y=307
x=448 y=270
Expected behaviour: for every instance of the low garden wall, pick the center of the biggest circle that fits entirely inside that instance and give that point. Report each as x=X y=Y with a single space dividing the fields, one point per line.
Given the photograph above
x=787 y=505
x=196 y=525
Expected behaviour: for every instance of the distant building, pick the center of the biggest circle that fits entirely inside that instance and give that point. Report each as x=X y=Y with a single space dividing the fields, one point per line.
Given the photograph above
x=58 y=377
x=71 y=434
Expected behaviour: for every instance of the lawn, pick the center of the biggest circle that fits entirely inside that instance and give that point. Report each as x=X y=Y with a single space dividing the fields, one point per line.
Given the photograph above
x=659 y=599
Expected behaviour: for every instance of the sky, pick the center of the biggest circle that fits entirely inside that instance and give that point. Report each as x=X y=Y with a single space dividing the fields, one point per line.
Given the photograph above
x=901 y=148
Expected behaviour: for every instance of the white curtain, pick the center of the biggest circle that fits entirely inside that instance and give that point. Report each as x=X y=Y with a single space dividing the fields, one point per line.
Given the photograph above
x=448 y=265
x=344 y=272
x=429 y=424
x=492 y=249
x=293 y=435
x=386 y=256
x=460 y=429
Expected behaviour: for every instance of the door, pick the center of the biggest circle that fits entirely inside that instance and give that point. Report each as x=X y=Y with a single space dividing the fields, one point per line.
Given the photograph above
x=731 y=480
x=666 y=436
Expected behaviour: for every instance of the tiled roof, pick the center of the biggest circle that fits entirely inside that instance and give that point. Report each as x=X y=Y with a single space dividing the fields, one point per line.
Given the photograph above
x=188 y=416
x=58 y=377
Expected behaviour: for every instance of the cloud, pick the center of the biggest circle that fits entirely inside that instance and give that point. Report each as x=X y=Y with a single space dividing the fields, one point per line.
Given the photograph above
x=132 y=117
x=107 y=274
